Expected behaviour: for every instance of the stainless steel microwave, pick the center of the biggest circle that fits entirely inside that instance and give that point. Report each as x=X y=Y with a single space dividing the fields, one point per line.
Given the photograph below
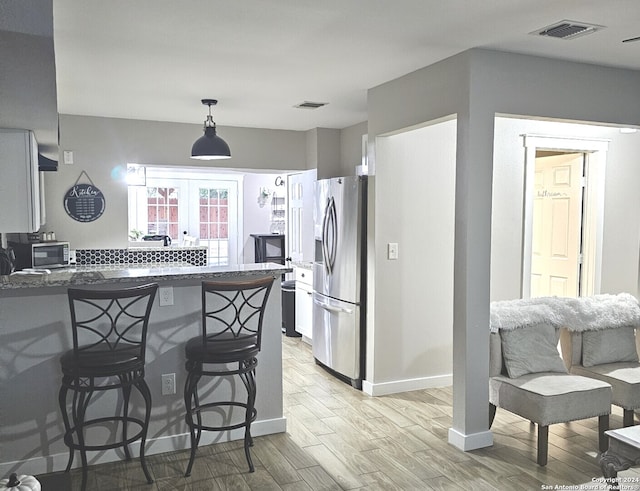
x=41 y=255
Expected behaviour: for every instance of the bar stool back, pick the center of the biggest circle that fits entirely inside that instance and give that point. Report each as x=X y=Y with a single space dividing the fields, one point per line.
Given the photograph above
x=232 y=316
x=109 y=343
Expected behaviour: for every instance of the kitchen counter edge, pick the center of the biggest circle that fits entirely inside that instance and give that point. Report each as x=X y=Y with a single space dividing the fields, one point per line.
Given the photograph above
x=70 y=277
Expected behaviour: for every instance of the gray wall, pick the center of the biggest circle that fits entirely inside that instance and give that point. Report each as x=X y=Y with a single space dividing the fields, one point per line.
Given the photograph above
x=475 y=86
x=420 y=218
x=351 y=147
x=28 y=71
x=621 y=203
x=323 y=152
x=103 y=146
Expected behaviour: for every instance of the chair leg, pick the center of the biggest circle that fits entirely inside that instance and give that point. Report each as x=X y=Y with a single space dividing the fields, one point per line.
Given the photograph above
x=603 y=425
x=492 y=414
x=126 y=394
x=146 y=395
x=196 y=404
x=190 y=386
x=627 y=417
x=62 y=401
x=543 y=444
x=78 y=420
x=248 y=379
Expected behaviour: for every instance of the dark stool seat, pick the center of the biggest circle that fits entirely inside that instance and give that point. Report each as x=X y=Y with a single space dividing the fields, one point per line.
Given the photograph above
x=222 y=351
x=109 y=342
x=232 y=316
x=101 y=362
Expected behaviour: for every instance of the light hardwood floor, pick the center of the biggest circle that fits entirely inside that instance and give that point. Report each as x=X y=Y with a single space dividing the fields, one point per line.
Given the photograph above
x=338 y=438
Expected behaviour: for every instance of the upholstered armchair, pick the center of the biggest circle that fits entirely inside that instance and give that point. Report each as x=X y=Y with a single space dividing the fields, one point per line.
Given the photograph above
x=528 y=378
x=609 y=355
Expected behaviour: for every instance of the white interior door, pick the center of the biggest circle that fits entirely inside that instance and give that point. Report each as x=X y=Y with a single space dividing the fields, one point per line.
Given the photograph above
x=595 y=154
x=300 y=199
x=557 y=225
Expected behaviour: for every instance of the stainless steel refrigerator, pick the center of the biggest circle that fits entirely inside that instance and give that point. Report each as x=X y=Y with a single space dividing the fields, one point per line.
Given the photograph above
x=339 y=277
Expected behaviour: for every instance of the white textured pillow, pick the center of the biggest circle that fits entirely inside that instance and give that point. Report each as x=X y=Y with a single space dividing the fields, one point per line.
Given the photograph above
x=531 y=349
x=608 y=346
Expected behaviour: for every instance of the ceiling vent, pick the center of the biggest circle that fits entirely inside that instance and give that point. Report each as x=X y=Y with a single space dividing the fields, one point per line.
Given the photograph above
x=567 y=29
x=310 y=105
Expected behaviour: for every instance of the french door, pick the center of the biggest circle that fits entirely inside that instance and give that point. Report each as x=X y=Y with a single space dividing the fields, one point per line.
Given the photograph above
x=213 y=219
x=201 y=208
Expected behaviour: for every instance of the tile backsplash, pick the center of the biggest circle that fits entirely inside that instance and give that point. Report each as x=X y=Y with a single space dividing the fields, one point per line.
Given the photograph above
x=196 y=256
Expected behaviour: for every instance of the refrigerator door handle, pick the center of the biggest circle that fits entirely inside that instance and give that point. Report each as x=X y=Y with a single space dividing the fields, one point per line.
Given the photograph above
x=325 y=254
x=333 y=218
x=331 y=308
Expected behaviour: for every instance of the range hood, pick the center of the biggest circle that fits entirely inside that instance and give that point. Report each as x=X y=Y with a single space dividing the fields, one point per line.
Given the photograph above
x=46 y=164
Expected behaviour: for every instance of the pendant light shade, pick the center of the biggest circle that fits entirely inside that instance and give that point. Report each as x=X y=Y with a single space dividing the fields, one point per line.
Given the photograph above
x=210 y=146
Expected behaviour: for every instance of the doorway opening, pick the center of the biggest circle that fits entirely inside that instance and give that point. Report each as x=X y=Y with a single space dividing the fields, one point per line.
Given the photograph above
x=563 y=222
x=194 y=204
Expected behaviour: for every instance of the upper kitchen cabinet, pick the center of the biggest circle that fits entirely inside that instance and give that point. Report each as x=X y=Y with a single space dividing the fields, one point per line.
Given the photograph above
x=28 y=80
x=20 y=185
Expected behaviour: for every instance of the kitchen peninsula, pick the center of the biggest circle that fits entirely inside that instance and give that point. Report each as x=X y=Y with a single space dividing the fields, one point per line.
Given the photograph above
x=35 y=332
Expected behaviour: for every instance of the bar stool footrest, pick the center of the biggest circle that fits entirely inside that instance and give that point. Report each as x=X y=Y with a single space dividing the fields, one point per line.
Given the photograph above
x=210 y=405
x=71 y=443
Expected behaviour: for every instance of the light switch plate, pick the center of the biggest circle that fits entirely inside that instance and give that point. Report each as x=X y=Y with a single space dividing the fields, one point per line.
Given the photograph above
x=392 y=250
x=67 y=157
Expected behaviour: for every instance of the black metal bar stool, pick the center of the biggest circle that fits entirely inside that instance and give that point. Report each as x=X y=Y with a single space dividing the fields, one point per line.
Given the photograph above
x=109 y=342
x=232 y=316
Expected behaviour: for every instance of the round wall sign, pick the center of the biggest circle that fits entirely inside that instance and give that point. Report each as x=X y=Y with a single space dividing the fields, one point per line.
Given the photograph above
x=84 y=202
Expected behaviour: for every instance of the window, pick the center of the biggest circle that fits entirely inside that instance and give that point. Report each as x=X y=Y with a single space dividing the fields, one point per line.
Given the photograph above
x=214 y=222
x=176 y=202
x=162 y=211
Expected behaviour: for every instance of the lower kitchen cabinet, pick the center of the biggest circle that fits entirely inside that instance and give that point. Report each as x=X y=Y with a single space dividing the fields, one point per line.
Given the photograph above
x=304 y=302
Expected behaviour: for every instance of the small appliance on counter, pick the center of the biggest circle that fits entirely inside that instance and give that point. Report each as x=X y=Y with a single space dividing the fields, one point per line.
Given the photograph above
x=41 y=255
x=166 y=240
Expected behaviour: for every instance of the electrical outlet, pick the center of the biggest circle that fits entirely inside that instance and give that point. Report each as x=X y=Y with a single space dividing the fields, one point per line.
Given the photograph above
x=168 y=384
x=165 y=294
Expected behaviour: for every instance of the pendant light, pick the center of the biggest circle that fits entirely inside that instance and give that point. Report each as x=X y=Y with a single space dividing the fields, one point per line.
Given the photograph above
x=210 y=146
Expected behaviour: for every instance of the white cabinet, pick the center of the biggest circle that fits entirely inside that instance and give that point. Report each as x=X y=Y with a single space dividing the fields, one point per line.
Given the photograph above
x=304 y=301
x=20 y=183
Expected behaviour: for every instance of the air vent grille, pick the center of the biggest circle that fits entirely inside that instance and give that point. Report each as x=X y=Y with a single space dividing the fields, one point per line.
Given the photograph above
x=310 y=105
x=567 y=29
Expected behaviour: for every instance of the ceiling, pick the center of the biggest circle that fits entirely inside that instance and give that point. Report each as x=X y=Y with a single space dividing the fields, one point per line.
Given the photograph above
x=155 y=59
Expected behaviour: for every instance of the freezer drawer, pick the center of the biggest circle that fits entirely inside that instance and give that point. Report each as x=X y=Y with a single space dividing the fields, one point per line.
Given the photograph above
x=336 y=336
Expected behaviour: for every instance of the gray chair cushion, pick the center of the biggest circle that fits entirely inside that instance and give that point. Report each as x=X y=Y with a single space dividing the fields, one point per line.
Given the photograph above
x=548 y=398
x=609 y=346
x=623 y=377
x=531 y=349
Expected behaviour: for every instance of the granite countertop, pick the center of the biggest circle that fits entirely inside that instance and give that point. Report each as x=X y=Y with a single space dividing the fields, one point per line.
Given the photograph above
x=105 y=274
x=302 y=264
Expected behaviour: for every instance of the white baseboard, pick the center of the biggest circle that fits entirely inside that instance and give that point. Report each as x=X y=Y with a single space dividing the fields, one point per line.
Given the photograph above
x=397 y=386
x=472 y=441
x=58 y=462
